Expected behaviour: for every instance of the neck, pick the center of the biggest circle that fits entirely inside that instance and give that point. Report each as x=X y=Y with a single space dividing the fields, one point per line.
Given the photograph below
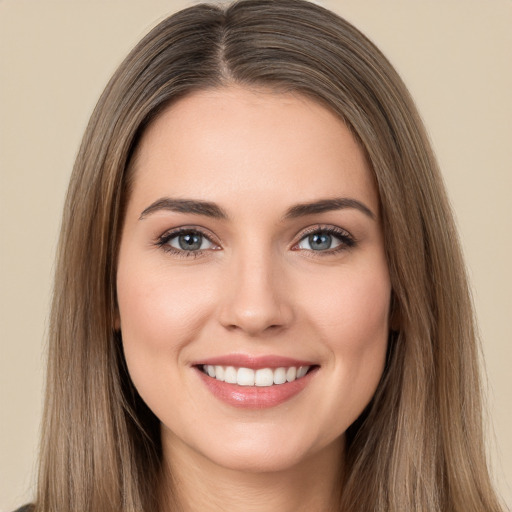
x=201 y=485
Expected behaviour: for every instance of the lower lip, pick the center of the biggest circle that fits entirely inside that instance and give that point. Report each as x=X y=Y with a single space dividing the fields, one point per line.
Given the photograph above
x=255 y=397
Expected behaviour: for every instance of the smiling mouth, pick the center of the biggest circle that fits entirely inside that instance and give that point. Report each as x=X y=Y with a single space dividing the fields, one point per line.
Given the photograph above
x=263 y=377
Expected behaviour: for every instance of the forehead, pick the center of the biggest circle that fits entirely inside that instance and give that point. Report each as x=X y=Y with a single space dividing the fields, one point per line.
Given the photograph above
x=234 y=140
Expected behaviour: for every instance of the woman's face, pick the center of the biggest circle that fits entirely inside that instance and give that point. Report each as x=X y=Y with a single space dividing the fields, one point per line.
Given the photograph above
x=252 y=254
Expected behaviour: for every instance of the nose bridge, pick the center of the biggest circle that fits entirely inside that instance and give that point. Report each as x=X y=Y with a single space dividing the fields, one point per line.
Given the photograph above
x=254 y=299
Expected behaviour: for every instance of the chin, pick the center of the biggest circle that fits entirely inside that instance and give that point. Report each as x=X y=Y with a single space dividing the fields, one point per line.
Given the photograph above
x=257 y=461
x=264 y=453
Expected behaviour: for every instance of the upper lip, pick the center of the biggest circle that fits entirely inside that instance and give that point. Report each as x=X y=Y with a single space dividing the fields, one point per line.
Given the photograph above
x=253 y=362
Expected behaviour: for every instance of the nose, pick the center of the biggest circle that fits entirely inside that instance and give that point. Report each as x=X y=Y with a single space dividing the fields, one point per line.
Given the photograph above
x=255 y=299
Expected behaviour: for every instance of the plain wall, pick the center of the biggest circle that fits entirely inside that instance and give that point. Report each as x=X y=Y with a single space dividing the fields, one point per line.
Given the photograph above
x=55 y=58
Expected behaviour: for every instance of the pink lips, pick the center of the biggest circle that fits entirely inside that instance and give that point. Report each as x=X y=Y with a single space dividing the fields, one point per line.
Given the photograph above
x=254 y=397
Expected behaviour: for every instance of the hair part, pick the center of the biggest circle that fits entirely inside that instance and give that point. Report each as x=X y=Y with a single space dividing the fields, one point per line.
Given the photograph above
x=419 y=444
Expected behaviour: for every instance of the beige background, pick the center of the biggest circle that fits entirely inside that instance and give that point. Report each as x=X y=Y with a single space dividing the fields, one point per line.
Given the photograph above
x=55 y=58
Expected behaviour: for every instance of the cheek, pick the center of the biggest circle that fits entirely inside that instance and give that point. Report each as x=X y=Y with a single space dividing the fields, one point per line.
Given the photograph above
x=352 y=310
x=161 y=311
x=351 y=320
x=160 y=306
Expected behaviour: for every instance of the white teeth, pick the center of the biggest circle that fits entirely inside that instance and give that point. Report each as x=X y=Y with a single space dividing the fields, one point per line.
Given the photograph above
x=245 y=377
x=280 y=376
x=219 y=372
x=264 y=377
x=301 y=372
x=230 y=375
x=291 y=373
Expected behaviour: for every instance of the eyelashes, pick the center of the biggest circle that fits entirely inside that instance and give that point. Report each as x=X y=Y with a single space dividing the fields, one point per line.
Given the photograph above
x=317 y=241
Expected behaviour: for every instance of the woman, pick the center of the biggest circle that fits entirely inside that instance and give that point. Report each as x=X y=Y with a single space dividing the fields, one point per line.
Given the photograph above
x=260 y=301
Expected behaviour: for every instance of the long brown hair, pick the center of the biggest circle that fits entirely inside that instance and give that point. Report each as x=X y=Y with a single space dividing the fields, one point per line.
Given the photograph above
x=419 y=444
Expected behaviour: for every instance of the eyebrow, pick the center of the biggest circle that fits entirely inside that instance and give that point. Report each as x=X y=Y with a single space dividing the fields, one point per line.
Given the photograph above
x=209 y=209
x=193 y=206
x=327 y=205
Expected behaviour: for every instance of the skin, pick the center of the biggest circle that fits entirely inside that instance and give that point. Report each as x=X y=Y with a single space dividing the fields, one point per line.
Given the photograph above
x=259 y=288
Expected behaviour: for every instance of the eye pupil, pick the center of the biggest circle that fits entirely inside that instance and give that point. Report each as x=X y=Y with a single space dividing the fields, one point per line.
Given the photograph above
x=190 y=241
x=320 y=241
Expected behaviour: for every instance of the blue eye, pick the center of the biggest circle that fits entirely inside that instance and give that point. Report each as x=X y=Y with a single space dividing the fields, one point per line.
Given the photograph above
x=321 y=242
x=188 y=240
x=326 y=240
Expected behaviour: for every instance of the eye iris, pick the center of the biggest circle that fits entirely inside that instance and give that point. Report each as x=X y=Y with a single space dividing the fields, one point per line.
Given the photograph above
x=190 y=241
x=320 y=241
